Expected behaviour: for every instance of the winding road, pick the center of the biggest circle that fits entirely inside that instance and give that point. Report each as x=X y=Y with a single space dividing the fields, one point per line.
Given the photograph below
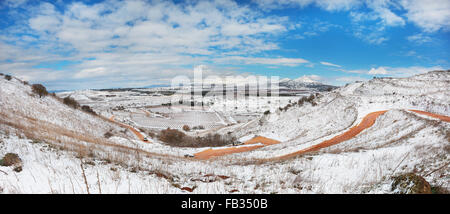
x=136 y=132
x=261 y=141
x=366 y=122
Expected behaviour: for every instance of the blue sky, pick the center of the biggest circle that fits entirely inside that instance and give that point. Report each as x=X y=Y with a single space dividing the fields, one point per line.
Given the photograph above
x=101 y=44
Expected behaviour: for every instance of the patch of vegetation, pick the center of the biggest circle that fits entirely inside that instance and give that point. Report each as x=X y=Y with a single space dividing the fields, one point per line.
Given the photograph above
x=152 y=134
x=11 y=159
x=108 y=134
x=186 y=128
x=177 y=138
x=71 y=102
x=39 y=90
x=8 y=77
x=198 y=127
x=88 y=109
x=35 y=141
x=439 y=190
x=410 y=183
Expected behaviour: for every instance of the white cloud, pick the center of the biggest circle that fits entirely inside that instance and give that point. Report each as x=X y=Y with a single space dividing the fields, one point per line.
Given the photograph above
x=91 y=72
x=329 y=5
x=419 y=38
x=137 y=39
x=336 y=5
x=382 y=10
x=431 y=15
x=292 y=62
x=330 y=64
x=194 y=28
x=379 y=70
x=13 y=3
x=402 y=71
x=394 y=71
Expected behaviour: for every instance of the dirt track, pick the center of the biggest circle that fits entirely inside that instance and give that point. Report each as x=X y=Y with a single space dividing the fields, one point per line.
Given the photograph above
x=136 y=132
x=438 y=116
x=367 y=122
x=209 y=153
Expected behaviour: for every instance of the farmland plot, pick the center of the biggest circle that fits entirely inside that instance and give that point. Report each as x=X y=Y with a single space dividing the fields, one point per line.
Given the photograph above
x=178 y=119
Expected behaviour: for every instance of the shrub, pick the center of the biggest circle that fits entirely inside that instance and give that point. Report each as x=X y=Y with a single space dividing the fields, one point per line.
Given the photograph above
x=108 y=135
x=151 y=134
x=174 y=137
x=39 y=90
x=267 y=112
x=198 y=127
x=410 y=183
x=186 y=128
x=11 y=159
x=8 y=77
x=71 y=102
x=171 y=136
x=88 y=109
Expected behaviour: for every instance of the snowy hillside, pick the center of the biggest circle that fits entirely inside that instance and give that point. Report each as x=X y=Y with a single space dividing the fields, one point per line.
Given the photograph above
x=304 y=83
x=65 y=150
x=336 y=111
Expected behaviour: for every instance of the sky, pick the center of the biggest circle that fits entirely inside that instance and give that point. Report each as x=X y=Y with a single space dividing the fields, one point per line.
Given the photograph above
x=70 y=45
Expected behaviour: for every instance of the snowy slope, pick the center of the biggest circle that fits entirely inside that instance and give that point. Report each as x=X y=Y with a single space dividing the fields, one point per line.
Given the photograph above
x=399 y=141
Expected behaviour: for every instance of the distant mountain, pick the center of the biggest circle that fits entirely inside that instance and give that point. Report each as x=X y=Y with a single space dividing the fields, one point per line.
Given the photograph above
x=305 y=83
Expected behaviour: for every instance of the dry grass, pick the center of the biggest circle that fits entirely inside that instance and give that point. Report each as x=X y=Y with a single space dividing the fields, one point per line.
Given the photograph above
x=85 y=145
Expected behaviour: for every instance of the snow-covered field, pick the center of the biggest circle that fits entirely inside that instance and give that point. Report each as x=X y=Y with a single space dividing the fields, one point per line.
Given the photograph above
x=64 y=150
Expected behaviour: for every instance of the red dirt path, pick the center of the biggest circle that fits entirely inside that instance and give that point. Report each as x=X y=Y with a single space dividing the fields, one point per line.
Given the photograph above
x=438 y=116
x=136 y=132
x=367 y=122
x=209 y=153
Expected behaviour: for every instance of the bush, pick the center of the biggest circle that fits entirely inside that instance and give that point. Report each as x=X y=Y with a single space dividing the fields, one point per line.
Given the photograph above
x=88 y=109
x=108 y=135
x=186 y=128
x=267 y=112
x=410 y=183
x=198 y=127
x=71 y=102
x=39 y=90
x=8 y=77
x=174 y=137
x=171 y=136
x=11 y=159
x=151 y=134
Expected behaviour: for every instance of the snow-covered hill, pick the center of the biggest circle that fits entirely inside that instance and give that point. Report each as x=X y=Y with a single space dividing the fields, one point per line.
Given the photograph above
x=64 y=150
x=333 y=112
x=304 y=83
